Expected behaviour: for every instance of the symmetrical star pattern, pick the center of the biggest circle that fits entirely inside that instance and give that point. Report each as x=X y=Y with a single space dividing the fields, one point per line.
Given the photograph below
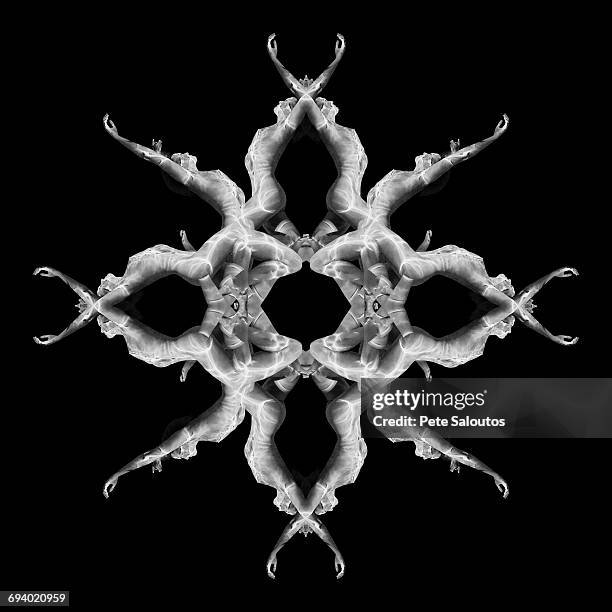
x=257 y=244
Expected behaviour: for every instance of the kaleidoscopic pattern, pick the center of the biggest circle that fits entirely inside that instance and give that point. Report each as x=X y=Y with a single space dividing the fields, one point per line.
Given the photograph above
x=257 y=244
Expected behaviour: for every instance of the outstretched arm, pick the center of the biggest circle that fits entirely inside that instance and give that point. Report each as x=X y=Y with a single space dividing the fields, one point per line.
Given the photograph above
x=86 y=306
x=155 y=155
x=81 y=290
x=532 y=323
x=288 y=532
x=316 y=87
x=456 y=156
x=530 y=290
x=212 y=425
x=155 y=456
x=322 y=531
x=526 y=306
x=305 y=525
x=305 y=87
x=81 y=321
x=182 y=168
x=290 y=81
x=457 y=456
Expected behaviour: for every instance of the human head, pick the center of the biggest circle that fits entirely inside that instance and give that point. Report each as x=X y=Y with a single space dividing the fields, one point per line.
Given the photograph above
x=327 y=503
x=503 y=328
x=328 y=108
x=425 y=451
x=306 y=82
x=529 y=306
x=186 y=451
x=425 y=160
x=283 y=109
x=185 y=160
x=283 y=503
x=108 y=328
x=107 y=284
x=84 y=306
x=305 y=527
x=305 y=364
x=502 y=283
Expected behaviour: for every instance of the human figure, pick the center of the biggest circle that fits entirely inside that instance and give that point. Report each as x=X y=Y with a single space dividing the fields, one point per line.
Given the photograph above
x=525 y=306
x=268 y=198
x=371 y=218
x=306 y=525
x=85 y=305
x=212 y=186
x=239 y=218
x=397 y=187
x=378 y=306
x=343 y=467
x=198 y=268
x=344 y=196
x=305 y=86
x=240 y=393
x=430 y=445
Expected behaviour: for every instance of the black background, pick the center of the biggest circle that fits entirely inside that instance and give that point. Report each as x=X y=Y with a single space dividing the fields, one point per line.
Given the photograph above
x=85 y=407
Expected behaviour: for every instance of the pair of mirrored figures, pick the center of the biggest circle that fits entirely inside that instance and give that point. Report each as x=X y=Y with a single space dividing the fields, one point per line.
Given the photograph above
x=258 y=244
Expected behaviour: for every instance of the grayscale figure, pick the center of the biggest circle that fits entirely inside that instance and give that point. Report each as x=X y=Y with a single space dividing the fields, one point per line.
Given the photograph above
x=372 y=218
x=237 y=267
x=85 y=305
x=397 y=187
x=239 y=218
x=306 y=525
x=240 y=394
x=306 y=86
